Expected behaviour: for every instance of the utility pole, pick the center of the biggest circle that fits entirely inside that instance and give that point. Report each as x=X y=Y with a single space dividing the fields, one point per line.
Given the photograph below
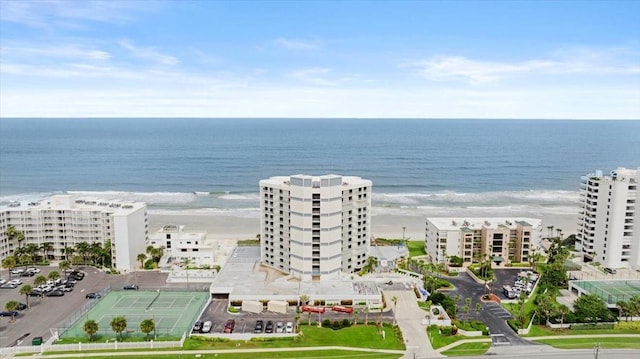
x=596 y=349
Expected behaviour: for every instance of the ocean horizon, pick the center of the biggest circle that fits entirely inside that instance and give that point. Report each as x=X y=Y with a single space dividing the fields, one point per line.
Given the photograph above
x=433 y=167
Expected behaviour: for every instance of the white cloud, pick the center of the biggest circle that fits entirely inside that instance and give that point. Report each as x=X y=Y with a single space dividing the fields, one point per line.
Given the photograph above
x=568 y=61
x=38 y=53
x=54 y=13
x=297 y=44
x=149 y=53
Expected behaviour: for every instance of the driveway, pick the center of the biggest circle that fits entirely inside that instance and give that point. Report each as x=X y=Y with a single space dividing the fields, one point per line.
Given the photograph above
x=492 y=314
x=409 y=317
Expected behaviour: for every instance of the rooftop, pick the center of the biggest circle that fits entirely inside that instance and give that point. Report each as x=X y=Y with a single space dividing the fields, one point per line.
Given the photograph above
x=470 y=224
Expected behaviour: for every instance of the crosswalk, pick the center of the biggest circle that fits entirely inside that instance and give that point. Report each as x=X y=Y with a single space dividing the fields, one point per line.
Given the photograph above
x=497 y=311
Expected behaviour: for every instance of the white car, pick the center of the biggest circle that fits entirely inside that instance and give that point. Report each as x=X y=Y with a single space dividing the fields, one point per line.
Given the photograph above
x=33 y=270
x=206 y=327
x=280 y=327
x=288 y=328
x=17 y=271
x=15 y=281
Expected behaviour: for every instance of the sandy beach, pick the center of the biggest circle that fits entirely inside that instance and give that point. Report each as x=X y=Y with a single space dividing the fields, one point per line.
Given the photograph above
x=383 y=225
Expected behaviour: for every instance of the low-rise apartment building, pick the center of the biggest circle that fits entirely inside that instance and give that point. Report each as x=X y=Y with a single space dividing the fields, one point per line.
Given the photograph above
x=65 y=220
x=505 y=240
x=180 y=245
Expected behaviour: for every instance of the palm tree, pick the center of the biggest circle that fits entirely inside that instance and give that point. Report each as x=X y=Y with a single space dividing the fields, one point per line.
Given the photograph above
x=147 y=326
x=53 y=275
x=64 y=266
x=11 y=307
x=478 y=309
x=562 y=311
x=68 y=252
x=83 y=249
x=90 y=327
x=12 y=233
x=46 y=248
x=96 y=253
x=39 y=280
x=119 y=324
x=624 y=308
x=304 y=299
x=141 y=257
x=9 y=263
x=25 y=290
x=107 y=253
x=394 y=299
x=32 y=250
x=366 y=315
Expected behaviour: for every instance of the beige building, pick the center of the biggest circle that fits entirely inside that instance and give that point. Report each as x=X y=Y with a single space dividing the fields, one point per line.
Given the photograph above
x=315 y=227
x=505 y=240
x=607 y=217
x=180 y=245
x=65 y=220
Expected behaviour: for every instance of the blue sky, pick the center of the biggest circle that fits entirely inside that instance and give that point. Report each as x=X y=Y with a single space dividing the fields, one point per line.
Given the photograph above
x=416 y=59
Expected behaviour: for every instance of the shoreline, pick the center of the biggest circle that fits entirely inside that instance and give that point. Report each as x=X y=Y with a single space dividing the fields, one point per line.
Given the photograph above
x=230 y=227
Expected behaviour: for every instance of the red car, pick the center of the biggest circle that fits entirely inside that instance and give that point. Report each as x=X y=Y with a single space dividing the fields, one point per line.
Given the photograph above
x=229 y=326
x=338 y=308
x=306 y=308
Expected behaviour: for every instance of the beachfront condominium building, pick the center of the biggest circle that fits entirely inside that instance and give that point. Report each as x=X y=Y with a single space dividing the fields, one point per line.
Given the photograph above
x=608 y=214
x=62 y=221
x=503 y=240
x=315 y=227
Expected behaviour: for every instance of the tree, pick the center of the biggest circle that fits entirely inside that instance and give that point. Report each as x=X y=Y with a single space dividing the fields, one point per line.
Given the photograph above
x=634 y=308
x=83 y=249
x=455 y=261
x=11 y=307
x=545 y=303
x=467 y=306
x=9 y=263
x=591 y=308
x=141 y=257
x=304 y=299
x=97 y=253
x=53 y=275
x=562 y=310
x=107 y=253
x=624 y=308
x=39 y=280
x=14 y=234
x=46 y=248
x=64 y=266
x=522 y=301
x=119 y=324
x=90 y=327
x=32 y=250
x=147 y=326
x=155 y=253
x=366 y=315
x=68 y=252
x=478 y=309
x=394 y=299
x=25 y=290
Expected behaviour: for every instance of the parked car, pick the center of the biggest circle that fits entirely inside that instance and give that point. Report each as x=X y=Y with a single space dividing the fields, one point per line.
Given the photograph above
x=34 y=270
x=230 y=325
x=131 y=287
x=55 y=293
x=206 y=326
x=259 y=326
x=8 y=286
x=22 y=306
x=610 y=270
x=6 y=313
x=289 y=327
x=36 y=293
x=279 y=327
x=269 y=327
x=27 y=274
x=17 y=270
x=197 y=327
x=93 y=296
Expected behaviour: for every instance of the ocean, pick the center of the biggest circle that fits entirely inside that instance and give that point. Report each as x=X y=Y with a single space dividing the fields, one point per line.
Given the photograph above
x=434 y=167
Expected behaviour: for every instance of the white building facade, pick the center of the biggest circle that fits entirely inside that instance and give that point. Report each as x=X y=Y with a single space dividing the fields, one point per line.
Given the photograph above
x=607 y=231
x=180 y=245
x=65 y=220
x=315 y=227
x=472 y=239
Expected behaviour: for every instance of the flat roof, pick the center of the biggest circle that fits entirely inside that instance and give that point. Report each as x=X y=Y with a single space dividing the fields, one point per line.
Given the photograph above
x=465 y=224
x=245 y=278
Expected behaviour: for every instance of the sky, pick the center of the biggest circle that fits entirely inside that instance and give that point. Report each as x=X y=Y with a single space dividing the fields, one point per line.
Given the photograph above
x=316 y=59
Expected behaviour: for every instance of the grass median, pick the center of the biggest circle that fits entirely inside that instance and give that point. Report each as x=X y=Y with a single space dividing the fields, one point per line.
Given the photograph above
x=589 y=343
x=467 y=349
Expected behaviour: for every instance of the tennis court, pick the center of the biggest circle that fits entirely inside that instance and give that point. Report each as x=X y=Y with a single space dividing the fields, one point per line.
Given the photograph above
x=611 y=291
x=173 y=312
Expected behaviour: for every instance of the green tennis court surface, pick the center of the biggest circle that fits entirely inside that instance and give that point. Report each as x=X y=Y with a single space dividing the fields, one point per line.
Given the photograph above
x=610 y=291
x=173 y=312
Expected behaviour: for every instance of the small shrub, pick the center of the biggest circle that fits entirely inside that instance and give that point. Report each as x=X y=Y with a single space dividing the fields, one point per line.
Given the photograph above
x=149 y=264
x=346 y=323
x=336 y=325
x=233 y=310
x=326 y=323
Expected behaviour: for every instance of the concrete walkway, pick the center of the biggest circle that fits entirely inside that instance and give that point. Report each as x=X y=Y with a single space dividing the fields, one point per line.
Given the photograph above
x=409 y=318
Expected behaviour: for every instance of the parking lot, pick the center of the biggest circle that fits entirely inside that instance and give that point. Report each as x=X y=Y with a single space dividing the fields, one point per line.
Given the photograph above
x=48 y=312
x=505 y=277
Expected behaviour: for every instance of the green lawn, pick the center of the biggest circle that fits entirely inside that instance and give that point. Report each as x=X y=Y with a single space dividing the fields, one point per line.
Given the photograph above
x=325 y=354
x=416 y=248
x=540 y=331
x=438 y=340
x=465 y=349
x=588 y=343
x=359 y=337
